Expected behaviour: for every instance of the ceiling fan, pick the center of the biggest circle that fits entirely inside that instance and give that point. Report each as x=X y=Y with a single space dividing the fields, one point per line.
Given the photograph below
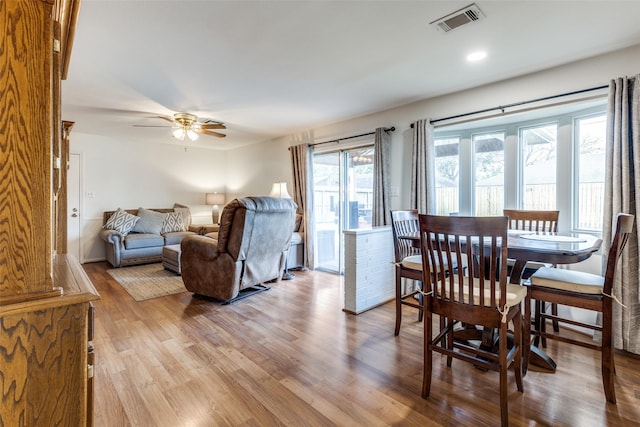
x=187 y=126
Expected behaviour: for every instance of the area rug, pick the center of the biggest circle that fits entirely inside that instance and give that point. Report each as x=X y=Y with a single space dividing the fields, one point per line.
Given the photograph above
x=147 y=281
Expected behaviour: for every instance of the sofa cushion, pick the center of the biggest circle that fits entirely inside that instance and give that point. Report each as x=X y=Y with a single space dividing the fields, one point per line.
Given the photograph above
x=122 y=222
x=150 y=221
x=143 y=240
x=172 y=223
x=176 y=237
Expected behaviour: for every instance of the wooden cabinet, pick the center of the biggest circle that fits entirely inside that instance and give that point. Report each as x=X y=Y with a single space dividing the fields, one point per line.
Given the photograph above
x=45 y=298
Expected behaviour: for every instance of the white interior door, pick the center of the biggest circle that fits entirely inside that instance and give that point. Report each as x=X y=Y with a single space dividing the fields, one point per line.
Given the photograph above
x=73 y=206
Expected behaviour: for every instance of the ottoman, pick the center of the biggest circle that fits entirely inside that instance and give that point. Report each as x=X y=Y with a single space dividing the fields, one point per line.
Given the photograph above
x=171 y=258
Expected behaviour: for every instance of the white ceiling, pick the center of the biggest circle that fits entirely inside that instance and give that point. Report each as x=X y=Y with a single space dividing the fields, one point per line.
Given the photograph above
x=271 y=68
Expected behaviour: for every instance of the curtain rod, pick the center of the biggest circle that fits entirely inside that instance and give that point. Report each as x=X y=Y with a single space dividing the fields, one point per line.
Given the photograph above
x=515 y=104
x=391 y=129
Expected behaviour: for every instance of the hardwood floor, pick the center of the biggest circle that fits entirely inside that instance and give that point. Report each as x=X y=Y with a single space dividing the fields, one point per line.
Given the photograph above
x=290 y=356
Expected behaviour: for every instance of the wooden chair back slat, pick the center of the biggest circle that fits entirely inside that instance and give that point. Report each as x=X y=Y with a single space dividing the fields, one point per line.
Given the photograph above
x=624 y=226
x=404 y=222
x=482 y=241
x=532 y=220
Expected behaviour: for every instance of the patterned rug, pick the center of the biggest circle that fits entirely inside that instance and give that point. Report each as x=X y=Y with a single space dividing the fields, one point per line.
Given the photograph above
x=147 y=281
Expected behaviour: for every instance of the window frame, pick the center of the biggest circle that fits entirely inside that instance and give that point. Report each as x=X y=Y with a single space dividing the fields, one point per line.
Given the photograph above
x=576 y=169
x=567 y=153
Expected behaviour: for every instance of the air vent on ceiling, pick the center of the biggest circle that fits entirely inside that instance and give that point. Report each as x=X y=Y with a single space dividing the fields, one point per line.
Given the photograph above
x=459 y=18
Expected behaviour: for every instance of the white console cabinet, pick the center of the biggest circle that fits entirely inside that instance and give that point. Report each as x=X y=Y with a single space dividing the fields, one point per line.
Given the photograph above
x=369 y=278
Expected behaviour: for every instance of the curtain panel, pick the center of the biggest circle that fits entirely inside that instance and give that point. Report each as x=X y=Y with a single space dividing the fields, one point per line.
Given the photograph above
x=423 y=168
x=622 y=182
x=381 y=189
x=302 y=195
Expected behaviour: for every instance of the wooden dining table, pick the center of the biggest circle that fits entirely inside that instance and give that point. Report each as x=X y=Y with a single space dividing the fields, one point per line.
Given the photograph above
x=544 y=247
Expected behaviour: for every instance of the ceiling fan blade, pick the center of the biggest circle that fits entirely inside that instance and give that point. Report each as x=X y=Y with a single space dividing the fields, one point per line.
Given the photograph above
x=169 y=119
x=212 y=126
x=152 y=126
x=211 y=133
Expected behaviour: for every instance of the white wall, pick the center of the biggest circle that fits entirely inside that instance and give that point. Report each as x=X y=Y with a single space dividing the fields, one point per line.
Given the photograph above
x=579 y=75
x=251 y=170
x=130 y=174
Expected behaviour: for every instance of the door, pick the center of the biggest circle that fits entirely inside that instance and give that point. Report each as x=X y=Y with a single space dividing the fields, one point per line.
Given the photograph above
x=73 y=206
x=342 y=200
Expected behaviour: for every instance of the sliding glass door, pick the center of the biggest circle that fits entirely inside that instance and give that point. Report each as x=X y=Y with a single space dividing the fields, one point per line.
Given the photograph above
x=343 y=200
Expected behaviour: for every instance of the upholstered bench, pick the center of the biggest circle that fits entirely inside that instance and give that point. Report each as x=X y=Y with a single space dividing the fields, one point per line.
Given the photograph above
x=171 y=258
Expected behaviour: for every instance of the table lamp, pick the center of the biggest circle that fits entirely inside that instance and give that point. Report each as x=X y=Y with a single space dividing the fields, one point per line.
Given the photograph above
x=215 y=199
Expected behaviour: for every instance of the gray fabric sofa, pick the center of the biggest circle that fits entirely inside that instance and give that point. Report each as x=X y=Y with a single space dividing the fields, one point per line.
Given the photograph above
x=249 y=249
x=143 y=244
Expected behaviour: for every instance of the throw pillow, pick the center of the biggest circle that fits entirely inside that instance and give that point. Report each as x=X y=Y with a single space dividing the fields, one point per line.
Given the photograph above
x=172 y=223
x=121 y=221
x=150 y=221
x=186 y=214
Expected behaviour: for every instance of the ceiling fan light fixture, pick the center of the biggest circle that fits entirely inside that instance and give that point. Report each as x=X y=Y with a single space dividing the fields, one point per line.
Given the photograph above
x=179 y=134
x=191 y=134
x=186 y=125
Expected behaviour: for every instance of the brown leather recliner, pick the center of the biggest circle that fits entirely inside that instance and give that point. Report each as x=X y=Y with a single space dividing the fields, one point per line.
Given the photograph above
x=250 y=249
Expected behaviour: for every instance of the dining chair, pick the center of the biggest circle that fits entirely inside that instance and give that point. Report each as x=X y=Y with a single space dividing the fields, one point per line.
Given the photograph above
x=532 y=220
x=586 y=291
x=480 y=297
x=538 y=221
x=408 y=262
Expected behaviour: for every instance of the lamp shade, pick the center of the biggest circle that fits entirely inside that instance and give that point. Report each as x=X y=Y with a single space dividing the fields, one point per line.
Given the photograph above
x=279 y=189
x=214 y=199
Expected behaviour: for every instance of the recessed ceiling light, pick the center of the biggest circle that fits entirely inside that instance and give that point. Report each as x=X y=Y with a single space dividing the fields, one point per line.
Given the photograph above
x=476 y=56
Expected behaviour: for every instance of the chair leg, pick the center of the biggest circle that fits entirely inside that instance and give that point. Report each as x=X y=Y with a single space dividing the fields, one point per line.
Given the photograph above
x=538 y=324
x=421 y=302
x=526 y=335
x=608 y=363
x=428 y=356
x=504 y=401
x=554 y=311
x=520 y=342
x=543 y=322
x=450 y=337
x=398 y=302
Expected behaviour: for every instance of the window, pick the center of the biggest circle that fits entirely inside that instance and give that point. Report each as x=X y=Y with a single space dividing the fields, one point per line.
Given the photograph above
x=591 y=136
x=540 y=160
x=447 y=175
x=489 y=173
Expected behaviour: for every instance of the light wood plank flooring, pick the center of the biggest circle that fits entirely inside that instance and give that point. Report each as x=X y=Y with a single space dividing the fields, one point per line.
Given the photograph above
x=291 y=357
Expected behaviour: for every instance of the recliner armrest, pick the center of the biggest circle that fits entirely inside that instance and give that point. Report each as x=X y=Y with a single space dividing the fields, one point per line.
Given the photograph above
x=200 y=247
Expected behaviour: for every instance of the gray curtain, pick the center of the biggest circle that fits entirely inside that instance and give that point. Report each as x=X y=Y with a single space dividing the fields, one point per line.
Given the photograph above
x=422 y=168
x=381 y=190
x=302 y=195
x=622 y=181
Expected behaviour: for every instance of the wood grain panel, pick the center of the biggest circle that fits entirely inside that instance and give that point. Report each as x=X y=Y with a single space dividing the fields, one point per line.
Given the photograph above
x=25 y=144
x=50 y=390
